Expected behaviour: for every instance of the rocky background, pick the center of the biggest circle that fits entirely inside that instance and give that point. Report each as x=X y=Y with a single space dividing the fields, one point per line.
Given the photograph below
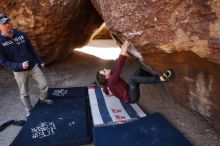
x=179 y=34
x=54 y=26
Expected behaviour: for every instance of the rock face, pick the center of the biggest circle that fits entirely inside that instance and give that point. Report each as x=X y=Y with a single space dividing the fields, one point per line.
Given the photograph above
x=179 y=34
x=54 y=26
x=169 y=25
x=101 y=33
x=196 y=84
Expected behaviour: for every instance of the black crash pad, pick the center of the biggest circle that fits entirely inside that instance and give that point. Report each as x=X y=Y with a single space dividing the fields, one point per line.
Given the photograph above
x=65 y=123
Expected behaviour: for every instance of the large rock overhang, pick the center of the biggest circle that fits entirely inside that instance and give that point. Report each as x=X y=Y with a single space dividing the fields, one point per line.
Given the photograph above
x=183 y=35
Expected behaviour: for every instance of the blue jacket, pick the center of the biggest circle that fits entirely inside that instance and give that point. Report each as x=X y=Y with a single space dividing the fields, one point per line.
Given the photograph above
x=14 y=51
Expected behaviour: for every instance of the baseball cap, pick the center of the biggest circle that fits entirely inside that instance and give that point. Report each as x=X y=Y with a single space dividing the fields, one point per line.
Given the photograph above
x=3 y=18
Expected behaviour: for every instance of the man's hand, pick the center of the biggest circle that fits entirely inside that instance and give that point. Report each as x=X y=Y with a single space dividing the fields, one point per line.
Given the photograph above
x=42 y=64
x=125 y=47
x=25 y=65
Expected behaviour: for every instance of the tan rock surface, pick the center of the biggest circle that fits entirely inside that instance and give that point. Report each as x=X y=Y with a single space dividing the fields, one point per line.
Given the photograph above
x=167 y=26
x=196 y=84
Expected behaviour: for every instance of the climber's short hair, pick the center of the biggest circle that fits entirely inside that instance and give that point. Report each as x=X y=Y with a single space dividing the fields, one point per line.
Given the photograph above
x=101 y=78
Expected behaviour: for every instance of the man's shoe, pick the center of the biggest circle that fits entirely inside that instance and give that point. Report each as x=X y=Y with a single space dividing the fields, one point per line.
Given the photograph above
x=27 y=115
x=47 y=101
x=167 y=75
x=28 y=111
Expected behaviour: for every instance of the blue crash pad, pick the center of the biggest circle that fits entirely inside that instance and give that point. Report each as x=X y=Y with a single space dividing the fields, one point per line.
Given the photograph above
x=153 y=130
x=66 y=122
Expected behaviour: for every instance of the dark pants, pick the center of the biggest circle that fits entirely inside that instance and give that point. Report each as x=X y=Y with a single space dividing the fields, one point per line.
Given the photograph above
x=140 y=76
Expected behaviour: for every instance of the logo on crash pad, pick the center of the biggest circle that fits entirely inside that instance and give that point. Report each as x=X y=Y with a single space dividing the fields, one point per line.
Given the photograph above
x=44 y=129
x=60 y=92
x=116 y=110
x=119 y=117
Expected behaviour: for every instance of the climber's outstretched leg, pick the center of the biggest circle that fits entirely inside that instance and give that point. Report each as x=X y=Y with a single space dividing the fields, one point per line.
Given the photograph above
x=143 y=77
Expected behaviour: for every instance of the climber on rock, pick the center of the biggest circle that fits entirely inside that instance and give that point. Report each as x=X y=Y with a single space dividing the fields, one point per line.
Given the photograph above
x=110 y=80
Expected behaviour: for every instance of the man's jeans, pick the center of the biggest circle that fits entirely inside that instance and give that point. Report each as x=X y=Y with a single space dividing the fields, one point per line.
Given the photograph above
x=140 y=77
x=22 y=81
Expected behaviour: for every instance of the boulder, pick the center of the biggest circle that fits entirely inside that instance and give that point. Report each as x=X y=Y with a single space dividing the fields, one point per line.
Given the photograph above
x=101 y=33
x=54 y=26
x=196 y=83
x=179 y=34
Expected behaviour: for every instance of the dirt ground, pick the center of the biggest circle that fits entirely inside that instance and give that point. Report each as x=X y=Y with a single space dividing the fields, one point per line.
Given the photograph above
x=80 y=70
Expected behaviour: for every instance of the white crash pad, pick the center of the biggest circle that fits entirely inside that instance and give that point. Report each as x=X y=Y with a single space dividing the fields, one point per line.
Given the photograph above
x=110 y=110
